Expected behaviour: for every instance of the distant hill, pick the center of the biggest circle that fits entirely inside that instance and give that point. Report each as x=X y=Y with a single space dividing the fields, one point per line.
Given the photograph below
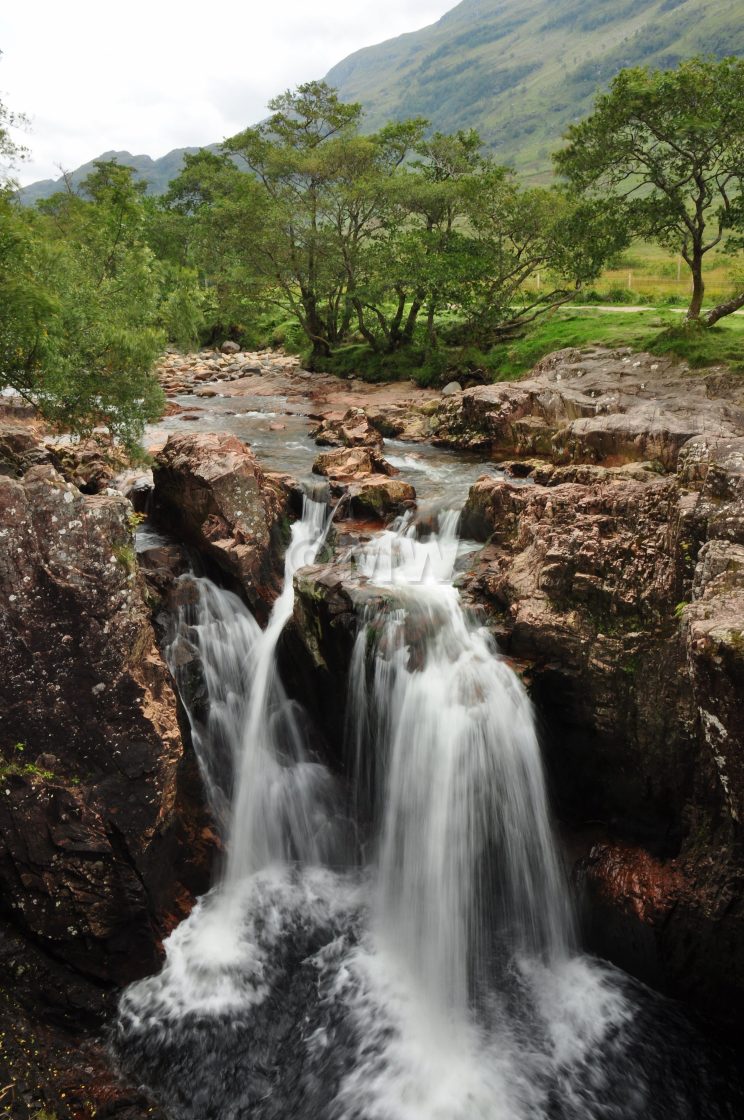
x=157 y=173
x=519 y=71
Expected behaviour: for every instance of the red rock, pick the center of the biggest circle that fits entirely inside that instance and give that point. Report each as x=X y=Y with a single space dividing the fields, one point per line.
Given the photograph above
x=216 y=495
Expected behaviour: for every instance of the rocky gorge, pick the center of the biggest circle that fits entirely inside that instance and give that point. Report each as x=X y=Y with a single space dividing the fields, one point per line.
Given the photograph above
x=609 y=515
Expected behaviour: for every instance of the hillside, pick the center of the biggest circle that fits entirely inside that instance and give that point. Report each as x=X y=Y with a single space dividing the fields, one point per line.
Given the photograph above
x=519 y=72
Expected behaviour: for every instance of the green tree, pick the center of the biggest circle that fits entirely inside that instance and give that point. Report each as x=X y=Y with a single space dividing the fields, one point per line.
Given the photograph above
x=325 y=201
x=80 y=307
x=211 y=220
x=666 y=149
x=531 y=250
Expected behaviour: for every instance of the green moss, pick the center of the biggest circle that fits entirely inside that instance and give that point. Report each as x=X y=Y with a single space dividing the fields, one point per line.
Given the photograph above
x=124 y=555
x=24 y=770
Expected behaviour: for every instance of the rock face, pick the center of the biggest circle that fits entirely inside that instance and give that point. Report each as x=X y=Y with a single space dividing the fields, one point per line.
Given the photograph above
x=624 y=593
x=589 y=406
x=89 y=737
x=211 y=490
x=615 y=578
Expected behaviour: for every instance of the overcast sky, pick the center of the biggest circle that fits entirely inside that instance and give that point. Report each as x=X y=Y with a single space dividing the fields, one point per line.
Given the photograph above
x=151 y=75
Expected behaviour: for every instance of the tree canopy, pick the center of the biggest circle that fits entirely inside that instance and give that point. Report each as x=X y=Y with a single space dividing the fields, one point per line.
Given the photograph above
x=665 y=148
x=83 y=302
x=377 y=236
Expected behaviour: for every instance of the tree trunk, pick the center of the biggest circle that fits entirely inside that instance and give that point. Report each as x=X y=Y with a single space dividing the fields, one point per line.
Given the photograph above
x=413 y=313
x=722 y=309
x=698 y=286
x=431 y=337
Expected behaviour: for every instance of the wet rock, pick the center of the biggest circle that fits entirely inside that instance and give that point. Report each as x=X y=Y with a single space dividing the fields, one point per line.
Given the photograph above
x=623 y=592
x=380 y=498
x=352 y=429
x=352 y=463
x=89 y=871
x=211 y=489
x=408 y=421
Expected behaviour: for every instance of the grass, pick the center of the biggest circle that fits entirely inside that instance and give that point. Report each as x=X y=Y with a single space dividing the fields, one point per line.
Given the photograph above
x=658 y=332
x=646 y=273
x=657 y=329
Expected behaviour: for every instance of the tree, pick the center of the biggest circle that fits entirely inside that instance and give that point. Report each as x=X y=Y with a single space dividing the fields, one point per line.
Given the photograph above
x=666 y=150
x=294 y=156
x=80 y=307
x=519 y=234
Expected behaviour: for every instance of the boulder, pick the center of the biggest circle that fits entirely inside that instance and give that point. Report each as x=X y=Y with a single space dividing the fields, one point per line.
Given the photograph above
x=229 y=347
x=380 y=498
x=211 y=490
x=451 y=389
x=352 y=429
x=348 y=464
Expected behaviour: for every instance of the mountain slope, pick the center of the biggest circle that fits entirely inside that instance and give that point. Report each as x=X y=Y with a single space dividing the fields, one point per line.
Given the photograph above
x=521 y=70
x=517 y=70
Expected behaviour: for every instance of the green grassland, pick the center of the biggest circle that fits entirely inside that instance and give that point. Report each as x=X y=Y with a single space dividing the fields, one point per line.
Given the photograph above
x=659 y=332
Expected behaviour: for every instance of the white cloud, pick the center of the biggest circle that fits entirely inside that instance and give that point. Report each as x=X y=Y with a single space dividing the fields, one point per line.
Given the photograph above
x=152 y=75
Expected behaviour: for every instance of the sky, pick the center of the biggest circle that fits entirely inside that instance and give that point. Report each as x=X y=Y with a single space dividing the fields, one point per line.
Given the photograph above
x=147 y=76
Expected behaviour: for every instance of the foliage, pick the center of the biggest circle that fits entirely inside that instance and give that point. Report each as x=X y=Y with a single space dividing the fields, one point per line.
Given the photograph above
x=83 y=306
x=376 y=238
x=78 y=308
x=667 y=148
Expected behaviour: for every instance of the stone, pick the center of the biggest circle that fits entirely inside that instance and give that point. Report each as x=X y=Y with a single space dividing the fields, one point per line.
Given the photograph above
x=451 y=389
x=229 y=347
x=352 y=429
x=349 y=464
x=211 y=490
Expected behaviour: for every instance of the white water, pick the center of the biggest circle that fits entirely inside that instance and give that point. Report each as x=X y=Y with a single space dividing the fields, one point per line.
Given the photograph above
x=438 y=983
x=467 y=859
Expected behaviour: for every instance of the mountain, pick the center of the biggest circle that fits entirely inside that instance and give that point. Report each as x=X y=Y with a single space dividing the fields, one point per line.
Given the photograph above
x=157 y=173
x=519 y=71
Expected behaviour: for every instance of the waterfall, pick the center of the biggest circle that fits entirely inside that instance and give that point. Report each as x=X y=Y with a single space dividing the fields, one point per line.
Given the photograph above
x=467 y=862
x=438 y=981
x=266 y=794
x=281 y=801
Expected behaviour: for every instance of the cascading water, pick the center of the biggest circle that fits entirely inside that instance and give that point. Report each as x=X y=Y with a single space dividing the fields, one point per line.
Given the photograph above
x=440 y=981
x=467 y=861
